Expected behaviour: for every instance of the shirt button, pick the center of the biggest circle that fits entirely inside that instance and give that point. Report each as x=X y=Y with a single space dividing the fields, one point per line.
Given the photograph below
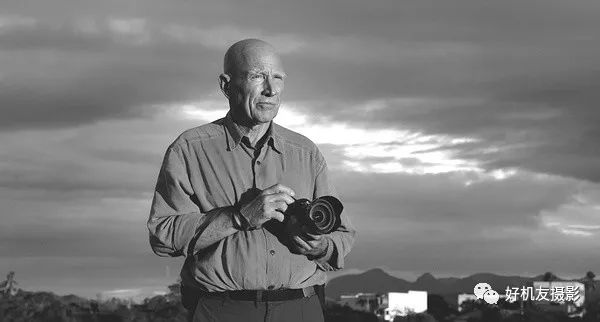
x=272 y=252
x=271 y=287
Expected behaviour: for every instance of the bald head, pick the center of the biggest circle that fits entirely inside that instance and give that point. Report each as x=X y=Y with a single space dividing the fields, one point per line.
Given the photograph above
x=252 y=81
x=244 y=54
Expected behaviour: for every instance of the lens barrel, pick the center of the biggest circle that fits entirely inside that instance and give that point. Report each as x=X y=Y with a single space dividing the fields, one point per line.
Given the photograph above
x=320 y=216
x=323 y=216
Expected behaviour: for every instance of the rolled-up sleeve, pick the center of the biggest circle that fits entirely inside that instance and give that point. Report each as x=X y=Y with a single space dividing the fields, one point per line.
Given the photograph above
x=174 y=217
x=339 y=242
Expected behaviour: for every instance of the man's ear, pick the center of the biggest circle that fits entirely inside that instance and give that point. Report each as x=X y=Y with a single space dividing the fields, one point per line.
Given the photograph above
x=224 y=83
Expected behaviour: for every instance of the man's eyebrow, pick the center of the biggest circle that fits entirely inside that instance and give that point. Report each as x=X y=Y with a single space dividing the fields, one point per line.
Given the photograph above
x=283 y=74
x=261 y=71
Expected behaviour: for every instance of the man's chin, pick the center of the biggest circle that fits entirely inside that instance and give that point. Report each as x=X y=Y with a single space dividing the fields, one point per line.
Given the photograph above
x=265 y=116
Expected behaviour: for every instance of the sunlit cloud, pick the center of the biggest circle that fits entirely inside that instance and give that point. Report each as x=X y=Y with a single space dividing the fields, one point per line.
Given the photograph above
x=586 y=227
x=579 y=217
x=404 y=151
x=134 y=30
x=501 y=174
x=575 y=232
x=377 y=150
x=134 y=294
x=134 y=26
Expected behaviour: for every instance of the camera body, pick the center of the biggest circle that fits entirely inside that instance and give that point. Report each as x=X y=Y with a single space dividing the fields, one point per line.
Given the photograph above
x=318 y=217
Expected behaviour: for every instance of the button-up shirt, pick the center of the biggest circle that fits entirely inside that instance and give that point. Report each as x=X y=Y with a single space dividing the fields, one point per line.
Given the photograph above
x=206 y=171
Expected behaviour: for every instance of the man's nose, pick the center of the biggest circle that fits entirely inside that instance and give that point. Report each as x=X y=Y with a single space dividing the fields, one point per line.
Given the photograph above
x=269 y=90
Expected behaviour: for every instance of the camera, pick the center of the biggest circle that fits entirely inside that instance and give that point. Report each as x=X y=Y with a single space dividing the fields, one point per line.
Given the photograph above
x=317 y=217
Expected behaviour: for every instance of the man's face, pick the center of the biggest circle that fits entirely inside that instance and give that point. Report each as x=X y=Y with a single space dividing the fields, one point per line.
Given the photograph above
x=255 y=87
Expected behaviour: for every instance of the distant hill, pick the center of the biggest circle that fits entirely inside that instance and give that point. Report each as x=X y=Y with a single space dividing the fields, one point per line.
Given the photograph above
x=27 y=306
x=46 y=306
x=378 y=281
x=375 y=280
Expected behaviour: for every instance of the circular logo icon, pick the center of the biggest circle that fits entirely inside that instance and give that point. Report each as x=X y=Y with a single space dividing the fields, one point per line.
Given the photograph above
x=480 y=289
x=491 y=297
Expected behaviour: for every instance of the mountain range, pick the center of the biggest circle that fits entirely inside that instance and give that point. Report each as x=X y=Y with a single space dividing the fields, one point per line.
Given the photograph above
x=378 y=281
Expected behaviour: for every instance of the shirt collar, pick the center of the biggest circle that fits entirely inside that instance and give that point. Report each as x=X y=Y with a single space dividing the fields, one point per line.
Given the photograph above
x=235 y=134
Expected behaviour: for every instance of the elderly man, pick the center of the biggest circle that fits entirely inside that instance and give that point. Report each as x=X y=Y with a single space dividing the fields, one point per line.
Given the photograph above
x=221 y=196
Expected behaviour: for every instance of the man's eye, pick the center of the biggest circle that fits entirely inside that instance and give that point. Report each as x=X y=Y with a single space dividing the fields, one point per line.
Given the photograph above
x=256 y=76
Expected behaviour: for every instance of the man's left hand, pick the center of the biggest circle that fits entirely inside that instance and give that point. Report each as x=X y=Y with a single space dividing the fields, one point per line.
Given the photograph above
x=309 y=244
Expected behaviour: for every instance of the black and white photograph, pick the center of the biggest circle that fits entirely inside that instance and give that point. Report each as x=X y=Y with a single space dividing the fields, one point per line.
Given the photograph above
x=299 y=161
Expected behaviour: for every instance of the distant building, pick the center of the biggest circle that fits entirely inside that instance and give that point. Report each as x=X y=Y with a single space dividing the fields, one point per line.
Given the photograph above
x=401 y=304
x=366 y=302
x=388 y=305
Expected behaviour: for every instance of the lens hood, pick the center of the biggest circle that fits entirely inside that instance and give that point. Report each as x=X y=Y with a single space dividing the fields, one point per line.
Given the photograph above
x=321 y=216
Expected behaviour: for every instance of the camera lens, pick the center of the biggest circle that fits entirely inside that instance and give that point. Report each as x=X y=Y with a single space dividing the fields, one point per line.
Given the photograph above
x=323 y=215
x=318 y=216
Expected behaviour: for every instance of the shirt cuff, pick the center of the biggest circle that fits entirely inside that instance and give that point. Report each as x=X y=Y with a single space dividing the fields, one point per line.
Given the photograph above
x=239 y=223
x=323 y=260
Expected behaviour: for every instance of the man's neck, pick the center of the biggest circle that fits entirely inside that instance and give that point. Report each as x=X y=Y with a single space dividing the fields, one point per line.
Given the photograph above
x=254 y=132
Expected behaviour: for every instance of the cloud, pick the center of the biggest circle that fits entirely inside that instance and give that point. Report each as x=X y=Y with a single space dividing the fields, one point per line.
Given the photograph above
x=8 y=22
x=434 y=222
x=445 y=198
x=578 y=217
x=117 y=159
x=63 y=76
x=496 y=134
x=435 y=85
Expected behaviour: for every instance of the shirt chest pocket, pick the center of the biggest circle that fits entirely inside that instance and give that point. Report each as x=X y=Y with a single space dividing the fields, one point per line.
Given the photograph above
x=300 y=181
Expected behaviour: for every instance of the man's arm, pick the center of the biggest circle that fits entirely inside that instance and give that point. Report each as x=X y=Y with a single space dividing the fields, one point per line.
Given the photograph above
x=177 y=226
x=339 y=242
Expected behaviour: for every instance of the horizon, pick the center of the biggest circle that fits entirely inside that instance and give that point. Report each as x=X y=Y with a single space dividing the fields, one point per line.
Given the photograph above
x=461 y=137
x=139 y=294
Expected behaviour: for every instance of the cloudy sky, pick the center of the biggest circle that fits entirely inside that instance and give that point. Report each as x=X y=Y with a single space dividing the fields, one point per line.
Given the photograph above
x=462 y=135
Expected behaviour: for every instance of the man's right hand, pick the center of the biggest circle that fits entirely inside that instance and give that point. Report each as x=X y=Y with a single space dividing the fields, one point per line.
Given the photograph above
x=271 y=203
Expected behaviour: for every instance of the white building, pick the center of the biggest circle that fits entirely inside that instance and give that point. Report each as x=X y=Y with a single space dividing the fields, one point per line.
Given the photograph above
x=402 y=304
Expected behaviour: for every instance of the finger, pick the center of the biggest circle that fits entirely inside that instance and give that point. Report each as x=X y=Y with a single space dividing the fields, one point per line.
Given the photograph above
x=312 y=237
x=272 y=189
x=279 y=206
x=308 y=236
x=279 y=188
x=281 y=196
x=315 y=243
x=302 y=244
x=278 y=216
